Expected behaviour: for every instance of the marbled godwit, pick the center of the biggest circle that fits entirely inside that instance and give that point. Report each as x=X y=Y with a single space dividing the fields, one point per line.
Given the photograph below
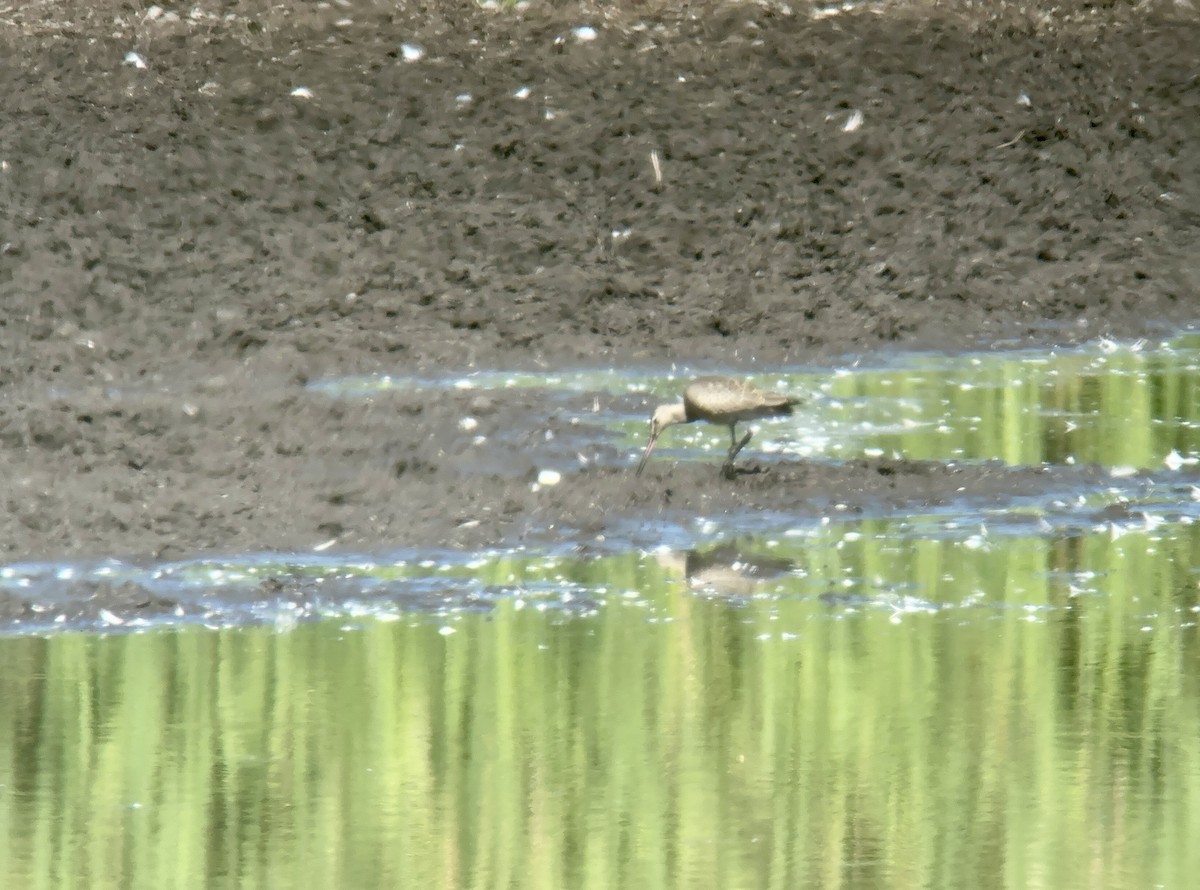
x=723 y=401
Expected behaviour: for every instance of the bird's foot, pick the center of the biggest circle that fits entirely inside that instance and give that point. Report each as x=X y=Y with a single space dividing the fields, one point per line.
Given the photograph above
x=730 y=471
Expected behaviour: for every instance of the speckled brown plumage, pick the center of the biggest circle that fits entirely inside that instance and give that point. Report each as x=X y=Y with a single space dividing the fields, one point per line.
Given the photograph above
x=720 y=400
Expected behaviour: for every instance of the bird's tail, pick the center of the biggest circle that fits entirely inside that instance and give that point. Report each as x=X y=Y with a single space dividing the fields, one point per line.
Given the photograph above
x=785 y=405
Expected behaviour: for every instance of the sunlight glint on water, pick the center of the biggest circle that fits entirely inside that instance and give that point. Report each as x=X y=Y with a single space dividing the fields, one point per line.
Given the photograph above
x=832 y=707
x=1115 y=405
x=1120 y=405
x=999 y=696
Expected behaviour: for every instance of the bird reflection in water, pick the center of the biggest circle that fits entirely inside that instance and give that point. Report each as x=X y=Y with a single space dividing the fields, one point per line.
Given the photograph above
x=725 y=570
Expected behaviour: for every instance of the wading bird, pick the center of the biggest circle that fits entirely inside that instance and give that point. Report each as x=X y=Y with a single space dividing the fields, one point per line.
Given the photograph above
x=723 y=401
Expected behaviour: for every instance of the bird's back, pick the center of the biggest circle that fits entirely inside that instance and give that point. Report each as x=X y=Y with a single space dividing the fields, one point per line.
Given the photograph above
x=726 y=400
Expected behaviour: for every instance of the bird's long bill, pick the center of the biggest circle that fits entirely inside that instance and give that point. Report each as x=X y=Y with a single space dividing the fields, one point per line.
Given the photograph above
x=646 y=453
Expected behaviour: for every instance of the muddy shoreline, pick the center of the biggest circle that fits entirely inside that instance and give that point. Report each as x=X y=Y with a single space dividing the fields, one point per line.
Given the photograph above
x=186 y=246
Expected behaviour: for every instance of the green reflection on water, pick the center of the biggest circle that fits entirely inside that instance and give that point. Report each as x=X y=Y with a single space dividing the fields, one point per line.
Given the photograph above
x=855 y=706
x=1116 y=405
x=1123 y=407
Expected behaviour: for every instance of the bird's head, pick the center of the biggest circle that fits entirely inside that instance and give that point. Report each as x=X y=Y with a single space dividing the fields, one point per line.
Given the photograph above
x=664 y=416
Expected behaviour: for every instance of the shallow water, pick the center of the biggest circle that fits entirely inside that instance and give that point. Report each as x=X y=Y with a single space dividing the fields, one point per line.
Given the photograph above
x=1123 y=405
x=862 y=704
x=1120 y=405
x=973 y=696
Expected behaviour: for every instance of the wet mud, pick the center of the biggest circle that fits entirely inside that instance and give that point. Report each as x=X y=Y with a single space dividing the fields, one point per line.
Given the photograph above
x=185 y=246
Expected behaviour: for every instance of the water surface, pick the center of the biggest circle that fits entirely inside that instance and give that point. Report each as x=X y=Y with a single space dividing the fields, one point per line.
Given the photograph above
x=978 y=695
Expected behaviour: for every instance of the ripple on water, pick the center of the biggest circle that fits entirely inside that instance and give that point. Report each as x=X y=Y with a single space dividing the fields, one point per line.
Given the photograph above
x=1129 y=407
x=1110 y=403
x=1031 y=556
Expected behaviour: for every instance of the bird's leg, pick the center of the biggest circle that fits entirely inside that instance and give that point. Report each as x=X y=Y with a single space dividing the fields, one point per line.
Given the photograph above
x=733 y=452
x=734 y=447
x=727 y=467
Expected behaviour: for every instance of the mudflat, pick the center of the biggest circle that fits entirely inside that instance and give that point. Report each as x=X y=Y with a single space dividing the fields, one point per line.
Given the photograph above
x=191 y=234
